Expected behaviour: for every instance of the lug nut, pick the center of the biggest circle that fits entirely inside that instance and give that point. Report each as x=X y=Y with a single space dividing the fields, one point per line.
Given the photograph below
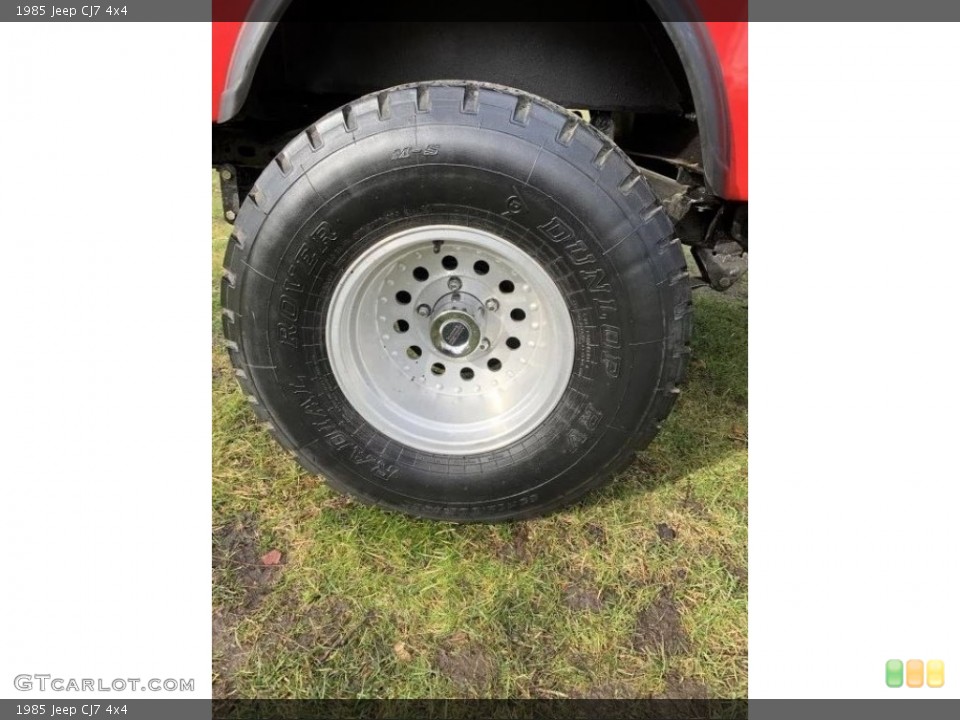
x=423 y=310
x=454 y=283
x=492 y=305
x=484 y=344
x=226 y=175
x=230 y=215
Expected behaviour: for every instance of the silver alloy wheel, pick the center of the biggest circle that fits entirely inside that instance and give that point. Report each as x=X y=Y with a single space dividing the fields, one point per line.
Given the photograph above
x=449 y=339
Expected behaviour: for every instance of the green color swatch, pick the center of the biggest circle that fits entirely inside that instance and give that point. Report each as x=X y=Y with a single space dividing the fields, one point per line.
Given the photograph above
x=894 y=673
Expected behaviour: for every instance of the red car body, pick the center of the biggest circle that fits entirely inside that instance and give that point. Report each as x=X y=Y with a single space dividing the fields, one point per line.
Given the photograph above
x=730 y=43
x=225 y=36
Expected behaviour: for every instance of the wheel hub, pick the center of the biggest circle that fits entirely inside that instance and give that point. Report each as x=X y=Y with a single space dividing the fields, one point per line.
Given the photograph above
x=450 y=339
x=458 y=325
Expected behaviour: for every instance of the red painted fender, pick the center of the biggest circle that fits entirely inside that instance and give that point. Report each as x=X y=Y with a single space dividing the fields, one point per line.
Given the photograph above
x=224 y=40
x=730 y=43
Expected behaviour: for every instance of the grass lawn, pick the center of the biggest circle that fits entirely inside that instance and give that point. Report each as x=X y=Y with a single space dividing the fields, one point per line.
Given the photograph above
x=640 y=591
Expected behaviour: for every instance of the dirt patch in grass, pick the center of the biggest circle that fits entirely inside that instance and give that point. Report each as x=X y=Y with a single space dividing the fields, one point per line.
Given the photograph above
x=597 y=533
x=583 y=595
x=694 y=507
x=646 y=469
x=468 y=667
x=242 y=582
x=739 y=572
x=617 y=690
x=683 y=688
x=226 y=653
x=237 y=567
x=691 y=504
x=583 y=598
x=317 y=628
x=517 y=548
x=666 y=533
x=658 y=626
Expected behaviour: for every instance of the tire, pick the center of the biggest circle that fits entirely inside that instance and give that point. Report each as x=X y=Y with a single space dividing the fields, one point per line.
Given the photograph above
x=498 y=175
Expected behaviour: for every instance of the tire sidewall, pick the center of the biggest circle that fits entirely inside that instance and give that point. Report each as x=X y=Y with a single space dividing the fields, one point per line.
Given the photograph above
x=593 y=244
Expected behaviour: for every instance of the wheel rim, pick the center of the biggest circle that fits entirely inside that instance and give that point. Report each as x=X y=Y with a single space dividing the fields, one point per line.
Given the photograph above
x=450 y=340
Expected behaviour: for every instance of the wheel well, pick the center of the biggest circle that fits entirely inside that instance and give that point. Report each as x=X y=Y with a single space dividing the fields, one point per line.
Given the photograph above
x=627 y=73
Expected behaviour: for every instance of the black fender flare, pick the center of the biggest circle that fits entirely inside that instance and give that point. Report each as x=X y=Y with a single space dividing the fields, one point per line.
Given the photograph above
x=705 y=77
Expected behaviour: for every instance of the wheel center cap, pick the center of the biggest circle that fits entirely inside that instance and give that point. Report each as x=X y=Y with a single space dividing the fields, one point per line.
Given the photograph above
x=455 y=333
x=455 y=327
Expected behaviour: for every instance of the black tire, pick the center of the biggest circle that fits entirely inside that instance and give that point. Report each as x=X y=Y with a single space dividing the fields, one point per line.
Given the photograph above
x=470 y=147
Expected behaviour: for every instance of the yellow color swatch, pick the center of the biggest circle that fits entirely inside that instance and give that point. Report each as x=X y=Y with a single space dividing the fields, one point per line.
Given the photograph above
x=934 y=673
x=914 y=673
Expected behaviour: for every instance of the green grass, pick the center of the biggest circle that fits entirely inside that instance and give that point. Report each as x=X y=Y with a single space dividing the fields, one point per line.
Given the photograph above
x=591 y=602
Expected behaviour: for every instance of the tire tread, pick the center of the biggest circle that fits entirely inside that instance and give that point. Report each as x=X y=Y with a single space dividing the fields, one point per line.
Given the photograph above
x=666 y=252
